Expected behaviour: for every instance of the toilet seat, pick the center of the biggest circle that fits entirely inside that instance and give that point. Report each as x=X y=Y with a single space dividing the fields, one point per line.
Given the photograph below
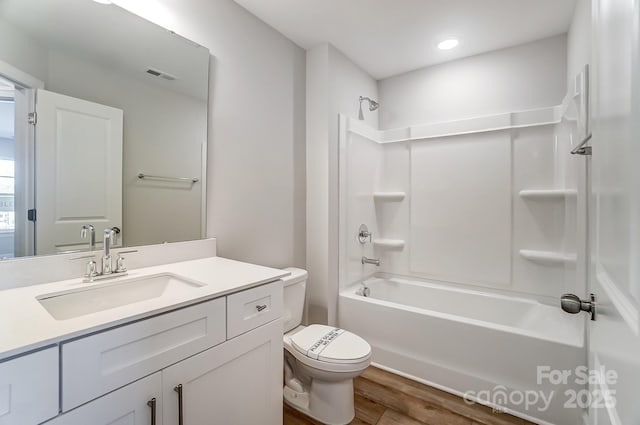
x=329 y=348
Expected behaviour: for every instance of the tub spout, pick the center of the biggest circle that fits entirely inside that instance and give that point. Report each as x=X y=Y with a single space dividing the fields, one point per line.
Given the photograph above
x=374 y=261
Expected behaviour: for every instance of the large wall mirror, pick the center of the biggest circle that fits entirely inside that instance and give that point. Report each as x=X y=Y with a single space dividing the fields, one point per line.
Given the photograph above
x=103 y=123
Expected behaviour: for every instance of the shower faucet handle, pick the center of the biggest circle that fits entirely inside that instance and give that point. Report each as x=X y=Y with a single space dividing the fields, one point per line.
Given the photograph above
x=364 y=234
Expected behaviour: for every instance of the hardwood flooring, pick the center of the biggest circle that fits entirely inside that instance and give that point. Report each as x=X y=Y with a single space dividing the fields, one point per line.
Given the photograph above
x=383 y=398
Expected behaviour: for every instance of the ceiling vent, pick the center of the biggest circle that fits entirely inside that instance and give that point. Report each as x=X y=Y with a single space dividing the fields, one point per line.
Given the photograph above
x=161 y=74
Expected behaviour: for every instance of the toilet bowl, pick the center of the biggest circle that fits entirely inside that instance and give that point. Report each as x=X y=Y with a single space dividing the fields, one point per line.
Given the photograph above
x=320 y=361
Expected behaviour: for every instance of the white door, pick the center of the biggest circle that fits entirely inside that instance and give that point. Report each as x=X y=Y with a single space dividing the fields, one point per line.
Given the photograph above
x=236 y=383
x=78 y=157
x=614 y=338
x=139 y=403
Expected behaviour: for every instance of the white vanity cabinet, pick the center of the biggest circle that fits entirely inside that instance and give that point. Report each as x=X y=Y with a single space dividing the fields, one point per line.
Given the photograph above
x=29 y=388
x=186 y=360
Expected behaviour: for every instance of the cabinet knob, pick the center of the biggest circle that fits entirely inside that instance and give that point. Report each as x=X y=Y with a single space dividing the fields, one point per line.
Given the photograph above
x=261 y=307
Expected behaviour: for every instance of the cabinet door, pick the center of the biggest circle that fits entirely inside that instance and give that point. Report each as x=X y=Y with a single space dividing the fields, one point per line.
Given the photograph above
x=29 y=388
x=129 y=405
x=236 y=383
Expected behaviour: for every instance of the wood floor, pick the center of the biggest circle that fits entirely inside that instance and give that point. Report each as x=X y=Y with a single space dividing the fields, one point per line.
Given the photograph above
x=383 y=398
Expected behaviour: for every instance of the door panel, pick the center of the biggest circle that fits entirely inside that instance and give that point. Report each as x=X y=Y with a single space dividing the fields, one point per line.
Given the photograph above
x=614 y=338
x=79 y=169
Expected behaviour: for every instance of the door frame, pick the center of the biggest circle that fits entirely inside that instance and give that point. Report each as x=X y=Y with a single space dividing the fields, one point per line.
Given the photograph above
x=25 y=87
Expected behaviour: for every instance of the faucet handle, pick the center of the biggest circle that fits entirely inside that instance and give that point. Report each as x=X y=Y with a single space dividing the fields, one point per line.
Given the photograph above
x=364 y=234
x=115 y=231
x=92 y=269
x=120 y=265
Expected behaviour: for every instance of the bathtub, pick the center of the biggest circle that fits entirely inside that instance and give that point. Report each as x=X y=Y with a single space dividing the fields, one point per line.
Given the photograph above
x=483 y=346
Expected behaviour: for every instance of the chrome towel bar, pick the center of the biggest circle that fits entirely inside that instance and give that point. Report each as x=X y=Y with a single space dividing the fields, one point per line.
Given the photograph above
x=142 y=176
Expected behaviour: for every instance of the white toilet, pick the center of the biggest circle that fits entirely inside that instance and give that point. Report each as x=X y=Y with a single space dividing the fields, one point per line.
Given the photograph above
x=320 y=361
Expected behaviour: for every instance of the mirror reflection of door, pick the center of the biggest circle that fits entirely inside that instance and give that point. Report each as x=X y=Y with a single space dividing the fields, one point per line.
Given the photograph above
x=78 y=154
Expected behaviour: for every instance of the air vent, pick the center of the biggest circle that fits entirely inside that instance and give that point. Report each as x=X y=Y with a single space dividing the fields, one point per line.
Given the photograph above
x=161 y=74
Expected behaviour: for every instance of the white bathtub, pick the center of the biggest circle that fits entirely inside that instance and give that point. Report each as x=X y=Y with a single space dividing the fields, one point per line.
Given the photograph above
x=484 y=346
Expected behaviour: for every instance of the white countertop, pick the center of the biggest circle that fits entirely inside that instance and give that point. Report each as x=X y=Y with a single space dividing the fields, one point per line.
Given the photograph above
x=25 y=325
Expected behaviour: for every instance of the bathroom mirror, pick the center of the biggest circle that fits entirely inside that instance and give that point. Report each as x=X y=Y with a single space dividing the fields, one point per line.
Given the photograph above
x=119 y=138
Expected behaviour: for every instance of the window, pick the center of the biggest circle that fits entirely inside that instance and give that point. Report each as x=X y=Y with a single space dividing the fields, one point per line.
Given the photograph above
x=7 y=190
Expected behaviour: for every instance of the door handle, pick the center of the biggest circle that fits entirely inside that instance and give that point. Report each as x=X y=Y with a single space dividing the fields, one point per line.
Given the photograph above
x=572 y=304
x=178 y=389
x=152 y=404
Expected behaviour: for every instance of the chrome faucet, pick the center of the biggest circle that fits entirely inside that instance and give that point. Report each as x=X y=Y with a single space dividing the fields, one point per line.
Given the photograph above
x=373 y=261
x=90 y=231
x=106 y=271
x=110 y=237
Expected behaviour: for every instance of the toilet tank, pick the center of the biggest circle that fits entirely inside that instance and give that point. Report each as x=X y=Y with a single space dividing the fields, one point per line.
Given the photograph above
x=293 y=292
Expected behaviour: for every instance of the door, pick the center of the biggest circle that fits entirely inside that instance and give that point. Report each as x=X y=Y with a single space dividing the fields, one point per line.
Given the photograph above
x=236 y=383
x=614 y=338
x=78 y=157
x=139 y=403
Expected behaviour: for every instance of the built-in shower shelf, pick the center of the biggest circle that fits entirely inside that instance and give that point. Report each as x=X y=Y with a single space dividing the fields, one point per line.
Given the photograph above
x=548 y=194
x=395 y=244
x=548 y=258
x=389 y=196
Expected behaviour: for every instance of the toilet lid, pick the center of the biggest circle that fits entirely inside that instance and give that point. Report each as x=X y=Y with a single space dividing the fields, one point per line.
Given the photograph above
x=330 y=344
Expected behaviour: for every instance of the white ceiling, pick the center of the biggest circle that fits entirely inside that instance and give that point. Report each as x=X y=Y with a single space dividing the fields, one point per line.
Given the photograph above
x=389 y=37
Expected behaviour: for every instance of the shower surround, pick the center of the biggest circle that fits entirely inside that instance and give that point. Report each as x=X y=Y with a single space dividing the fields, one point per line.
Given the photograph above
x=479 y=228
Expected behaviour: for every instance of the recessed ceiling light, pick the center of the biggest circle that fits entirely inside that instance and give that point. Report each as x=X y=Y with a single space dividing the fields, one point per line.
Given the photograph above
x=103 y=1
x=446 y=44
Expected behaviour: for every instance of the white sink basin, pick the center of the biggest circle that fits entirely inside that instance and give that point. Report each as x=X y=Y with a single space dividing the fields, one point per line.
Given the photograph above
x=82 y=301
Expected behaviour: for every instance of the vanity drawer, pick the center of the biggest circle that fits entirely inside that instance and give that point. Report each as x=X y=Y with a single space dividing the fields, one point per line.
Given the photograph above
x=29 y=388
x=254 y=307
x=102 y=362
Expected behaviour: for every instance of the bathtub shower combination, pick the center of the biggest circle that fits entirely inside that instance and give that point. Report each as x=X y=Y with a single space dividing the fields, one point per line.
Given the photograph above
x=479 y=228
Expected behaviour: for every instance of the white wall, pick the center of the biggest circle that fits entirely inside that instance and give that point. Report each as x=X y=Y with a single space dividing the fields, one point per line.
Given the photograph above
x=256 y=177
x=518 y=78
x=317 y=165
x=579 y=39
x=334 y=85
x=22 y=51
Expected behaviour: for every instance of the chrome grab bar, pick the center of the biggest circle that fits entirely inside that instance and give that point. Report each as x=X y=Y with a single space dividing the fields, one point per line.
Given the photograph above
x=581 y=149
x=142 y=176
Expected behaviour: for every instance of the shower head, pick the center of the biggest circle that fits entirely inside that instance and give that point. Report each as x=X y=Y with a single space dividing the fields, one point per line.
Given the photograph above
x=373 y=105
